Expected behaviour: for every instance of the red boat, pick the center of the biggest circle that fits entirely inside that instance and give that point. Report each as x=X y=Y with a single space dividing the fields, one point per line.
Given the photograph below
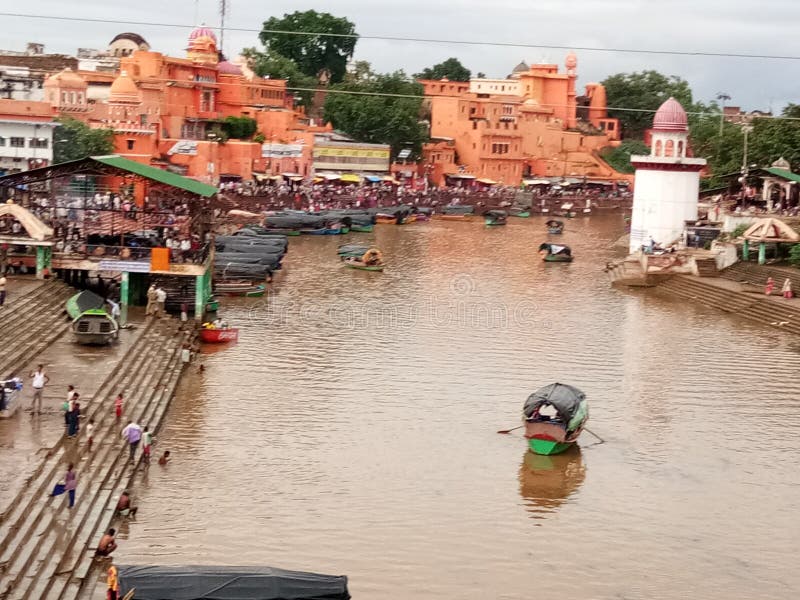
x=219 y=336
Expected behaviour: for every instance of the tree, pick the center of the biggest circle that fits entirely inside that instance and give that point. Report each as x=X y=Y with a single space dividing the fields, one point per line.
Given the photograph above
x=312 y=53
x=74 y=140
x=645 y=91
x=451 y=68
x=239 y=128
x=376 y=114
x=273 y=65
x=620 y=157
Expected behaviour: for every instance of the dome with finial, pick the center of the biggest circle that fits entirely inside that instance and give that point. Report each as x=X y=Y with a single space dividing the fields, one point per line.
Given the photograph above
x=671 y=117
x=202 y=32
x=124 y=89
x=522 y=67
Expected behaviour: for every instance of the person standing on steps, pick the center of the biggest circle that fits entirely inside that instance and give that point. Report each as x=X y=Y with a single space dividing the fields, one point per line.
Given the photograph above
x=151 y=300
x=90 y=435
x=74 y=413
x=161 y=300
x=40 y=379
x=112 y=583
x=133 y=435
x=118 y=406
x=147 y=443
x=71 y=484
x=3 y=283
x=786 y=288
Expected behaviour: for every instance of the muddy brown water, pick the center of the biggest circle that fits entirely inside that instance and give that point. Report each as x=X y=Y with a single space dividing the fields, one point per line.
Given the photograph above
x=351 y=430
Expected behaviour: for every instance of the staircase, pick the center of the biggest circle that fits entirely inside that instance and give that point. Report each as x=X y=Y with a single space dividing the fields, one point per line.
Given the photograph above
x=755 y=274
x=706 y=267
x=767 y=311
x=46 y=549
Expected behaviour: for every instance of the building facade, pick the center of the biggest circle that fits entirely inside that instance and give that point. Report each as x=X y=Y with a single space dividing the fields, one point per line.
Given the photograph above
x=26 y=135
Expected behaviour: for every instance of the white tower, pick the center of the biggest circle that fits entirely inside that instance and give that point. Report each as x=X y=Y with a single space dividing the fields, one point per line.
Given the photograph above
x=667 y=181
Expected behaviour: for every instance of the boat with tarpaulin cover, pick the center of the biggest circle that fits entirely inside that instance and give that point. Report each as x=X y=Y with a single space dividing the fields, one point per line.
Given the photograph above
x=91 y=323
x=494 y=218
x=554 y=418
x=555 y=227
x=555 y=253
x=371 y=260
x=228 y=583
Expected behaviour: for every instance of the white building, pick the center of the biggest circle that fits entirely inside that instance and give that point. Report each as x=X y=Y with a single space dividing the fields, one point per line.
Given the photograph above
x=26 y=135
x=667 y=181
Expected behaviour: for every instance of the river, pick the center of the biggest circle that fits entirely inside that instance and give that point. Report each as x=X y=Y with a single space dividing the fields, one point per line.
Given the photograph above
x=352 y=430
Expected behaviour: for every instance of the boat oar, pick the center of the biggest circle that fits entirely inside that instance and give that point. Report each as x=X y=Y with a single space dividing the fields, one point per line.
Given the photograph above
x=602 y=441
x=510 y=430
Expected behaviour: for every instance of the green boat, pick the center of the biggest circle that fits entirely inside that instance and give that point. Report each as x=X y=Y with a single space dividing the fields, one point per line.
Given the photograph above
x=359 y=265
x=554 y=418
x=520 y=214
x=362 y=228
x=555 y=253
x=495 y=218
x=91 y=322
x=212 y=305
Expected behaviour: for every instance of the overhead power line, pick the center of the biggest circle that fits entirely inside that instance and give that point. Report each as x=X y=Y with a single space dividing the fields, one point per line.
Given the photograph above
x=696 y=53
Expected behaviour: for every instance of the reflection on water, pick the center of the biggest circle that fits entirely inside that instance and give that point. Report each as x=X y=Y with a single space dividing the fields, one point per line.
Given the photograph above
x=546 y=482
x=352 y=430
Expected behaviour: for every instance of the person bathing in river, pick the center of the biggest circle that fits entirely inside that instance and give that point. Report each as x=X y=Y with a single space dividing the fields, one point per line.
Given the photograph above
x=124 y=508
x=107 y=544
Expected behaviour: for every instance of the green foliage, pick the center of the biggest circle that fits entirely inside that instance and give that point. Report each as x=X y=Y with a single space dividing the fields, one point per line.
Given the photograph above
x=451 y=68
x=646 y=91
x=379 y=119
x=74 y=140
x=259 y=138
x=794 y=256
x=739 y=230
x=273 y=65
x=620 y=157
x=312 y=54
x=239 y=128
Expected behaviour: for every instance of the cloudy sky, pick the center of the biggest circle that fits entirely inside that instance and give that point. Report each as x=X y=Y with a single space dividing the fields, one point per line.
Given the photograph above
x=719 y=26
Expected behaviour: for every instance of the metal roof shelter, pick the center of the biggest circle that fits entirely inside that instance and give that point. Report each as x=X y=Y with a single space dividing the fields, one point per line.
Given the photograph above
x=111 y=165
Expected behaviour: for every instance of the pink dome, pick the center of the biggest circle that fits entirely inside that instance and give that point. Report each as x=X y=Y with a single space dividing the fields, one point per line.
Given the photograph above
x=228 y=68
x=671 y=117
x=203 y=32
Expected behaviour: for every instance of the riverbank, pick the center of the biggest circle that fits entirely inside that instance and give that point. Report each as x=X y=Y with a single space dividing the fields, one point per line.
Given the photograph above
x=46 y=547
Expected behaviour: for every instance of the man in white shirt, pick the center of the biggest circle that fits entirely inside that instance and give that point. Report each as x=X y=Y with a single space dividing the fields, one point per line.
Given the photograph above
x=40 y=378
x=161 y=299
x=3 y=284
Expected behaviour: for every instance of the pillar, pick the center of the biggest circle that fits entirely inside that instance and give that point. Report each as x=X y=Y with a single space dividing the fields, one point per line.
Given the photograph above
x=124 y=298
x=44 y=261
x=201 y=294
x=746 y=250
x=762 y=253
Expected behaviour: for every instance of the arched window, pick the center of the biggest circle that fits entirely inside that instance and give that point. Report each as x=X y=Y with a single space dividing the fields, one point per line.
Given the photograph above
x=669 y=148
x=680 y=149
x=658 y=148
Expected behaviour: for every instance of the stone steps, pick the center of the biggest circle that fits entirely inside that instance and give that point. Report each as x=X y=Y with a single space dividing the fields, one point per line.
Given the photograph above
x=35 y=513
x=757 y=274
x=748 y=306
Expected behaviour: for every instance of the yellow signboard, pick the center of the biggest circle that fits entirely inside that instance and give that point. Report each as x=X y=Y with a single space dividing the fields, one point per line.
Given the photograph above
x=352 y=152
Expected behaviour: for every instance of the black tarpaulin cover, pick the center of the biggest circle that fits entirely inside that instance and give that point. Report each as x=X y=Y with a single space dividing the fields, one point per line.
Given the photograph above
x=229 y=583
x=565 y=398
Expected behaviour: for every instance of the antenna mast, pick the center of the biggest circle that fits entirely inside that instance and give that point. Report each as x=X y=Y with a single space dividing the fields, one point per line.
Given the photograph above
x=223 y=9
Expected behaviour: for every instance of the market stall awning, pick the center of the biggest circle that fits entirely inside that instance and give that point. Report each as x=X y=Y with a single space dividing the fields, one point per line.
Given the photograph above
x=783 y=174
x=373 y=179
x=459 y=176
x=350 y=178
x=392 y=180
x=487 y=181
x=292 y=176
x=536 y=181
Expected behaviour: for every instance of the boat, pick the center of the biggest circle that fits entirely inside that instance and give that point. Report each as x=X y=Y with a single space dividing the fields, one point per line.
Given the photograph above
x=352 y=250
x=91 y=322
x=566 y=210
x=555 y=227
x=212 y=335
x=386 y=219
x=521 y=213
x=456 y=212
x=362 y=228
x=494 y=218
x=371 y=260
x=555 y=253
x=284 y=231
x=320 y=231
x=148 y=582
x=10 y=397
x=554 y=417
x=212 y=305
x=240 y=288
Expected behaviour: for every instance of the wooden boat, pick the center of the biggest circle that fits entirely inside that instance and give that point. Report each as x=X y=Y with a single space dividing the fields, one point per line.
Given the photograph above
x=240 y=288
x=371 y=260
x=495 y=218
x=91 y=322
x=283 y=231
x=555 y=253
x=555 y=227
x=521 y=214
x=385 y=219
x=362 y=228
x=219 y=336
x=352 y=250
x=554 y=418
x=453 y=217
x=320 y=231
